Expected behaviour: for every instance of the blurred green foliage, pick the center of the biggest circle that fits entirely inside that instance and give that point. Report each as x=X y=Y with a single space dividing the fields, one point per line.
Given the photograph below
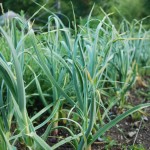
x=135 y=9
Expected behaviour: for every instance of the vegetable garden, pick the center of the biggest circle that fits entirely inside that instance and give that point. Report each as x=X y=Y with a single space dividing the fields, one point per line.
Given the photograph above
x=68 y=80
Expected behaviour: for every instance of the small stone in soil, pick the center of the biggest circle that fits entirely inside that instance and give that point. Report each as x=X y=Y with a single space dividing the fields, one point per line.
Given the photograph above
x=131 y=134
x=145 y=118
x=100 y=139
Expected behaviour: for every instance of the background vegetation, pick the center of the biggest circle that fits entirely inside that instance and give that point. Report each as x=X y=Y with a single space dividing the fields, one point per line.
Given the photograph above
x=135 y=9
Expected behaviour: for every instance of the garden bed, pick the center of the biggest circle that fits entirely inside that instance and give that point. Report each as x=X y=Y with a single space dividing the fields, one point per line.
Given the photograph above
x=131 y=133
x=134 y=131
x=74 y=86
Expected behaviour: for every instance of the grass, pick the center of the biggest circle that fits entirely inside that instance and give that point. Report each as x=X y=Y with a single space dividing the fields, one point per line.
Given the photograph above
x=77 y=75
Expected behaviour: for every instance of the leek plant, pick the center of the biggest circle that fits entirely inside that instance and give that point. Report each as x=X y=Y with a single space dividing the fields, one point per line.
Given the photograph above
x=85 y=59
x=13 y=98
x=130 y=51
x=16 y=88
x=81 y=67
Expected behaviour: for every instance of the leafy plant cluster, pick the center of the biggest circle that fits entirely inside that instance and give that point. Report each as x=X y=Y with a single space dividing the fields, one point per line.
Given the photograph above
x=138 y=9
x=78 y=76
